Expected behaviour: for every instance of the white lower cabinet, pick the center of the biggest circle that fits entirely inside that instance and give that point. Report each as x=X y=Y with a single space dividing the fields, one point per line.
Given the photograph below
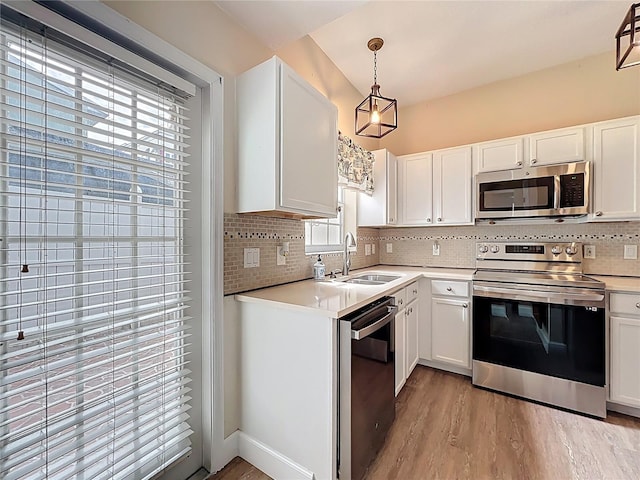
x=450 y=331
x=406 y=333
x=624 y=375
x=412 y=336
x=450 y=323
x=400 y=330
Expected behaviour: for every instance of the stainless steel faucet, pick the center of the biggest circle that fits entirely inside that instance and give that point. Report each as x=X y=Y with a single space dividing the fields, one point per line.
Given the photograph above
x=349 y=241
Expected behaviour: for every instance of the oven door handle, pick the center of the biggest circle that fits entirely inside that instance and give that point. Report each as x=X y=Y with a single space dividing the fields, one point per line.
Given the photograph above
x=374 y=327
x=568 y=298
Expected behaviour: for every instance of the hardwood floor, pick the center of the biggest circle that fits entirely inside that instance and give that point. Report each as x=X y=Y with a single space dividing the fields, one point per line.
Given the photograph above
x=447 y=429
x=238 y=469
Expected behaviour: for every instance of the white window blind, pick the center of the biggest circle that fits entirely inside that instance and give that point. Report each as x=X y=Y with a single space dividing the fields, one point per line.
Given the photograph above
x=93 y=323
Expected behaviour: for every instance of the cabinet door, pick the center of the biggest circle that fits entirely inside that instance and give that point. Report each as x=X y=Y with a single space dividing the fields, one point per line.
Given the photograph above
x=416 y=181
x=308 y=145
x=616 y=170
x=380 y=208
x=500 y=155
x=557 y=146
x=392 y=189
x=450 y=331
x=625 y=359
x=412 y=336
x=400 y=329
x=452 y=186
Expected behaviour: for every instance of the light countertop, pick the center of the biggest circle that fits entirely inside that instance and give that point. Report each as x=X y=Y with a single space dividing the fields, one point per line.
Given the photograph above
x=619 y=284
x=336 y=299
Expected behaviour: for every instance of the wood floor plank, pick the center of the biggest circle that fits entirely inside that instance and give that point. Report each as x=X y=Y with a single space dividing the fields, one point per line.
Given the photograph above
x=447 y=429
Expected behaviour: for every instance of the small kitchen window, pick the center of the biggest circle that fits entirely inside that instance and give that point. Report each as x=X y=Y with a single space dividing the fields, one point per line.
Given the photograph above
x=326 y=235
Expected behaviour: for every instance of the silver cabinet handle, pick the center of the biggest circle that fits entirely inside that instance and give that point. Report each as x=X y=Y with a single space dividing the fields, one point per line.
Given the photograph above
x=449 y=289
x=533 y=161
x=415 y=291
x=390 y=220
x=638 y=305
x=400 y=301
x=519 y=164
x=428 y=220
x=598 y=213
x=465 y=305
x=439 y=219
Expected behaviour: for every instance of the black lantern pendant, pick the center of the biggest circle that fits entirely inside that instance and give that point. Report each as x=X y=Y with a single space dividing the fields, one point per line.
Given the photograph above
x=628 y=39
x=376 y=115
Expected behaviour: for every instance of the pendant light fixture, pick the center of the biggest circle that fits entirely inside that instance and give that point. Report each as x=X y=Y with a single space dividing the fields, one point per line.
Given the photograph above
x=628 y=39
x=376 y=115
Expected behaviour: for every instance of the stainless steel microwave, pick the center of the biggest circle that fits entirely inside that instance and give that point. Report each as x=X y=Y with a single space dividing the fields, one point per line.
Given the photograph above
x=552 y=191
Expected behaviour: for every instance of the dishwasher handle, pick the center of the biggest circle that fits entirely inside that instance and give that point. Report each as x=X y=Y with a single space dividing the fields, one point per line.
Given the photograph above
x=375 y=326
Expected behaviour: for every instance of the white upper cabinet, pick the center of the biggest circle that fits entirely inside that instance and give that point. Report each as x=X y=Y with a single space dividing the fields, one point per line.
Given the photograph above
x=616 y=165
x=287 y=144
x=452 y=186
x=435 y=187
x=564 y=145
x=415 y=180
x=497 y=155
x=381 y=208
x=556 y=146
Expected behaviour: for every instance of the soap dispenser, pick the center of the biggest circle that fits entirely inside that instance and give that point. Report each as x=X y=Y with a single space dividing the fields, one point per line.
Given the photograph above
x=318 y=269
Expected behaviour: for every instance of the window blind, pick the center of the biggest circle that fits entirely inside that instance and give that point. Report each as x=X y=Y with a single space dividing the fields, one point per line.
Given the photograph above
x=94 y=379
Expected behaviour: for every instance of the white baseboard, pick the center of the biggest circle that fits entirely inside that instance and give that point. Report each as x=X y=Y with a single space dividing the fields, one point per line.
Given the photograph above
x=271 y=462
x=228 y=452
x=616 y=407
x=443 y=366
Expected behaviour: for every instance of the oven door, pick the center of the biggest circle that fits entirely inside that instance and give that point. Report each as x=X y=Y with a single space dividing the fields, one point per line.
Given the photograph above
x=523 y=197
x=532 y=334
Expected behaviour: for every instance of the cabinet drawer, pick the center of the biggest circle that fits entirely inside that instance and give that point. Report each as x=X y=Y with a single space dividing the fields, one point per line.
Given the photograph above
x=625 y=303
x=451 y=289
x=399 y=299
x=411 y=292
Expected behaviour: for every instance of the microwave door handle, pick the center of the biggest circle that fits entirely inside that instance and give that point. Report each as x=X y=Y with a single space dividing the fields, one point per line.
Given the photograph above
x=556 y=192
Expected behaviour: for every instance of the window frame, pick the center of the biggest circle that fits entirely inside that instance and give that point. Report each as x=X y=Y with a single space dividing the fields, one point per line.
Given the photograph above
x=215 y=451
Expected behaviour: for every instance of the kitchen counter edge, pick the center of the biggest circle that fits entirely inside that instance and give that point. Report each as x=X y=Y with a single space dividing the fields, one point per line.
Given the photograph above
x=337 y=299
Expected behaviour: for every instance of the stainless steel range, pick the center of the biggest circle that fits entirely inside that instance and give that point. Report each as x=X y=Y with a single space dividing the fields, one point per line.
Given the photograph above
x=539 y=325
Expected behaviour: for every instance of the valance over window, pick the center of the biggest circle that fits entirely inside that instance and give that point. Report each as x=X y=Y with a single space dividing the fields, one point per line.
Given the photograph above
x=355 y=165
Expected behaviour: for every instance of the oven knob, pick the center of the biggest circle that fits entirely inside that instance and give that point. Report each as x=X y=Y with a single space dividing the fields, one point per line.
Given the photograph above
x=556 y=250
x=571 y=250
x=483 y=249
x=495 y=248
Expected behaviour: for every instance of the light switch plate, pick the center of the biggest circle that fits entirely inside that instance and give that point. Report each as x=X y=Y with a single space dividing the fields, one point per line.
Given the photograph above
x=373 y=249
x=389 y=247
x=367 y=249
x=631 y=252
x=589 y=251
x=251 y=257
x=436 y=249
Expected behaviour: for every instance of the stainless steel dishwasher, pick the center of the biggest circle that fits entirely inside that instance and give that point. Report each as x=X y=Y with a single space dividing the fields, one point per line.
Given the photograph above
x=367 y=399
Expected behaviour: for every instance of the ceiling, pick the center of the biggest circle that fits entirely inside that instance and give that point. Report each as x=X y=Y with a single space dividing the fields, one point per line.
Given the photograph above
x=437 y=48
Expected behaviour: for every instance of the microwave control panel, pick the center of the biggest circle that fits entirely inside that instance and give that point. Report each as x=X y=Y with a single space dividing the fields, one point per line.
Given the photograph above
x=572 y=190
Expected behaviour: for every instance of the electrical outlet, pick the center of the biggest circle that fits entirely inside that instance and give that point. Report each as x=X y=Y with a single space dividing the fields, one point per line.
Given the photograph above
x=367 y=249
x=389 y=247
x=436 y=249
x=589 y=251
x=373 y=249
x=280 y=258
x=631 y=252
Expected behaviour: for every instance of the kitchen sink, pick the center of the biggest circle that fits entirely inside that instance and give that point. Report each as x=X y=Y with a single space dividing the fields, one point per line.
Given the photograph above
x=371 y=279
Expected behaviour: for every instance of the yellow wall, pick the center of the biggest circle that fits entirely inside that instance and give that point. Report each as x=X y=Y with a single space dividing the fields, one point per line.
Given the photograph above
x=579 y=92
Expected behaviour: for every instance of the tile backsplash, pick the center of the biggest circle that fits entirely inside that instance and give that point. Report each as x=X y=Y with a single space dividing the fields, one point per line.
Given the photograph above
x=249 y=231
x=414 y=246
x=410 y=246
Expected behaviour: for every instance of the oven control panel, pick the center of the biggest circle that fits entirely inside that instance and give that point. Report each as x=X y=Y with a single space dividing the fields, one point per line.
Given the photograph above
x=542 y=252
